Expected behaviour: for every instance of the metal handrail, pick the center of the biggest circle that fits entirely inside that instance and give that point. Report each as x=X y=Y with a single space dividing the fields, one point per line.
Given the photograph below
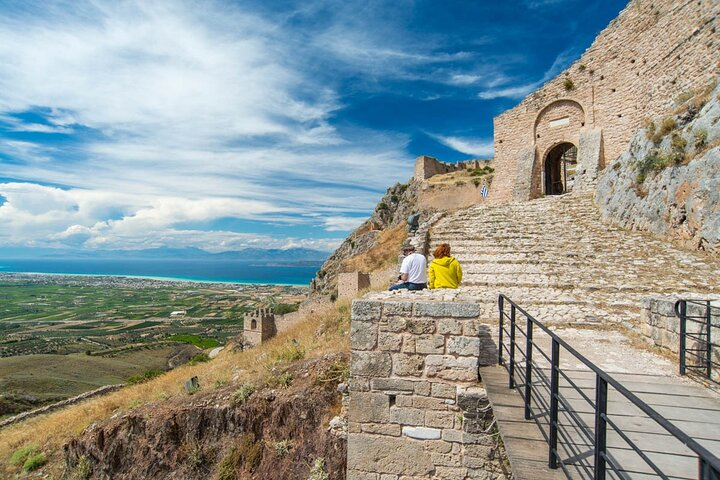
x=708 y=464
x=705 y=362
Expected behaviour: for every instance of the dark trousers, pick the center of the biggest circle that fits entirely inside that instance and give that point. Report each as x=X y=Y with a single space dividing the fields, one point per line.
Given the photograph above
x=409 y=286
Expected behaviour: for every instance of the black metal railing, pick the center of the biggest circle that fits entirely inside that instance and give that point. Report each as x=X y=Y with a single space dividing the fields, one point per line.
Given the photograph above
x=575 y=425
x=699 y=326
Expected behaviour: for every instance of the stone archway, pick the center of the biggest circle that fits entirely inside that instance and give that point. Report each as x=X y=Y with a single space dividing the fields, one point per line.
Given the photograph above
x=559 y=169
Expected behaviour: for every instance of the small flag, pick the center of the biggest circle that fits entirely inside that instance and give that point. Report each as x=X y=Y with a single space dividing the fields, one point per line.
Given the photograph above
x=484 y=191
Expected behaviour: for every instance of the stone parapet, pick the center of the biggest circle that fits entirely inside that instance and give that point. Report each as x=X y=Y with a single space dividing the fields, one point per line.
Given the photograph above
x=416 y=408
x=661 y=327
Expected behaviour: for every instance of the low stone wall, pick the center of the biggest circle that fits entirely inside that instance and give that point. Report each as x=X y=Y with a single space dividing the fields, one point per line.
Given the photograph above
x=62 y=404
x=416 y=409
x=660 y=325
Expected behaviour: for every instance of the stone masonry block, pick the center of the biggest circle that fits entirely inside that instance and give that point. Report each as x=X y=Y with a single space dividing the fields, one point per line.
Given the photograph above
x=438 y=446
x=447 y=367
x=430 y=344
x=393 y=324
x=390 y=429
x=430 y=403
x=422 y=388
x=407 y=416
x=392 y=384
x=389 y=476
x=465 y=346
x=449 y=326
x=359 y=384
x=371 y=364
x=383 y=454
x=389 y=342
x=406 y=365
x=367 y=407
x=419 y=326
x=358 y=475
x=363 y=335
x=366 y=311
x=446 y=460
x=422 y=433
x=438 y=419
x=404 y=401
x=447 y=309
x=451 y=473
x=397 y=308
x=408 y=343
x=443 y=390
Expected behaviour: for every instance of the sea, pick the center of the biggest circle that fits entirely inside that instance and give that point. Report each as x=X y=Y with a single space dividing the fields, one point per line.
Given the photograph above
x=220 y=271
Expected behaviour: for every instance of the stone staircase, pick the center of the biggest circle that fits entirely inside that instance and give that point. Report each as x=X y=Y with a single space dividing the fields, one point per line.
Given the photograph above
x=558 y=259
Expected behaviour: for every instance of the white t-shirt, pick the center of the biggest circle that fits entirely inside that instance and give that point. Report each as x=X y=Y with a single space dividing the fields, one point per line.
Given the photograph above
x=415 y=266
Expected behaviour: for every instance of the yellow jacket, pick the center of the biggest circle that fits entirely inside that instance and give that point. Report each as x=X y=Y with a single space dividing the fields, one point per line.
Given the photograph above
x=444 y=272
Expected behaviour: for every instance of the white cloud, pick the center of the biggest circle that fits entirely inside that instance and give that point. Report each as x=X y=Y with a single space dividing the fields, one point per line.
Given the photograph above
x=340 y=223
x=478 y=148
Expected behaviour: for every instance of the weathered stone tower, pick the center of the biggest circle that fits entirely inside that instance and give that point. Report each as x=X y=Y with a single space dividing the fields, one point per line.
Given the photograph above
x=349 y=284
x=259 y=327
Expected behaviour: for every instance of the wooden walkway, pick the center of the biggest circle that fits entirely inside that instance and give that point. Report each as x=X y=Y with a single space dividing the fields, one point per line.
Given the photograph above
x=691 y=407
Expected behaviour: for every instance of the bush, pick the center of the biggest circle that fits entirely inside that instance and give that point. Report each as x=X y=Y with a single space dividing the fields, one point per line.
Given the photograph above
x=22 y=454
x=700 y=136
x=282 y=447
x=283 y=308
x=243 y=393
x=283 y=380
x=83 y=469
x=144 y=376
x=677 y=145
x=317 y=472
x=290 y=353
x=199 y=358
x=652 y=162
x=34 y=462
x=569 y=84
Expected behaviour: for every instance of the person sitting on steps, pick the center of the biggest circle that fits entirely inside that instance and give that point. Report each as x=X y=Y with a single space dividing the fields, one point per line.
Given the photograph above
x=444 y=271
x=413 y=271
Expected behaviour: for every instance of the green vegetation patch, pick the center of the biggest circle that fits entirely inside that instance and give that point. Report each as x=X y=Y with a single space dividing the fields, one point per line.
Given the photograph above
x=283 y=308
x=198 y=341
x=145 y=376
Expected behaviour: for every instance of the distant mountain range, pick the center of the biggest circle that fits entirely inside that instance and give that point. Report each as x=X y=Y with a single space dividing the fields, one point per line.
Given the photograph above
x=254 y=255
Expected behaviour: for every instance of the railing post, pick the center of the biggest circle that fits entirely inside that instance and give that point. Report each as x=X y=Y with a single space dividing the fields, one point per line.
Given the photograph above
x=706 y=472
x=682 y=313
x=501 y=307
x=512 y=346
x=554 y=393
x=708 y=343
x=600 y=428
x=528 y=366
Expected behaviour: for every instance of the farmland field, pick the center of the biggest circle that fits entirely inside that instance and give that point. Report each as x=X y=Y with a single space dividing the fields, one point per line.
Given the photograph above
x=61 y=335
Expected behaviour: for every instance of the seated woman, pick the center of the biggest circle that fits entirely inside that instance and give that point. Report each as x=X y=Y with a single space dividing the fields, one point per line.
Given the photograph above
x=444 y=271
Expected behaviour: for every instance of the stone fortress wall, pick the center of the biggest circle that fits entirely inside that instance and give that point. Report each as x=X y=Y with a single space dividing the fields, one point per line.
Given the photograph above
x=649 y=55
x=426 y=167
x=415 y=410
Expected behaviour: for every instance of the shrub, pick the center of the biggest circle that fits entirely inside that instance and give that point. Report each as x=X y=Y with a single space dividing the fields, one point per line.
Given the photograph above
x=677 y=145
x=569 y=85
x=283 y=308
x=34 y=462
x=144 y=376
x=282 y=447
x=83 y=469
x=476 y=182
x=22 y=454
x=199 y=358
x=283 y=380
x=339 y=371
x=290 y=353
x=700 y=135
x=317 y=472
x=582 y=67
x=459 y=183
x=652 y=162
x=243 y=393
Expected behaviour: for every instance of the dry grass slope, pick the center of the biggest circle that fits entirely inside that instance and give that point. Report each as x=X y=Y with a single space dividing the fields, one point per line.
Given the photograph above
x=321 y=333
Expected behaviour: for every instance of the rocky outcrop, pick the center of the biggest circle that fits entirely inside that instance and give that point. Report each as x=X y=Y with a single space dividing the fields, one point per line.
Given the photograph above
x=392 y=210
x=225 y=433
x=668 y=181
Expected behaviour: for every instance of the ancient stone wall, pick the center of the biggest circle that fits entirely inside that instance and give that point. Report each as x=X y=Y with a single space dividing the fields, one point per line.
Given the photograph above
x=426 y=167
x=258 y=327
x=660 y=325
x=350 y=284
x=416 y=409
x=651 y=53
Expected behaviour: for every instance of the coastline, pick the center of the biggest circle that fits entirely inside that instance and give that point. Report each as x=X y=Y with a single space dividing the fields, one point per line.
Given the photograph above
x=155 y=278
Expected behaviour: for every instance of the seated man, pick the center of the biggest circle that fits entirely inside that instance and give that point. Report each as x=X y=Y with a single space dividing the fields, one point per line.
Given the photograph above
x=413 y=271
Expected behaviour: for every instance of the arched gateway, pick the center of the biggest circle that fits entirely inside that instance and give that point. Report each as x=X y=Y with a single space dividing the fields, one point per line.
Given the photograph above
x=559 y=167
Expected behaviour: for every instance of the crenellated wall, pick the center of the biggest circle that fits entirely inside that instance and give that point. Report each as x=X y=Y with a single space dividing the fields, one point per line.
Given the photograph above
x=649 y=55
x=416 y=409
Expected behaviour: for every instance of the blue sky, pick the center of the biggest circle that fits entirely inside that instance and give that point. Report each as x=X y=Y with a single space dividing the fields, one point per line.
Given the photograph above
x=223 y=125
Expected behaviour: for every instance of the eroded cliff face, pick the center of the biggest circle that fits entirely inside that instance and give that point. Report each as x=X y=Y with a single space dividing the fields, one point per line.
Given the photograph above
x=280 y=432
x=391 y=213
x=668 y=181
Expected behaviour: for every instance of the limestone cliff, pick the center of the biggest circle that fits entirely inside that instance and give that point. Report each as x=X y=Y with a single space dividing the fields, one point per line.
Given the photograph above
x=668 y=181
x=383 y=232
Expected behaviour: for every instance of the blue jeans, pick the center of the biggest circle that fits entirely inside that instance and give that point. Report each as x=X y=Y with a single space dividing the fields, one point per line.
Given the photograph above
x=409 y=286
